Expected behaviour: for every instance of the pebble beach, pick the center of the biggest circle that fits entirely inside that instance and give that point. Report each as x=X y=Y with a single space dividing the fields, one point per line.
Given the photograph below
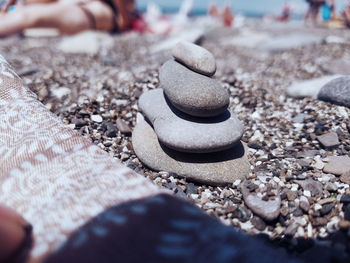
x=297 y=193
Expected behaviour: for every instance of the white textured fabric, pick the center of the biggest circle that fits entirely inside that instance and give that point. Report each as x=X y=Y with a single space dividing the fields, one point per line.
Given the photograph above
x=50 y=174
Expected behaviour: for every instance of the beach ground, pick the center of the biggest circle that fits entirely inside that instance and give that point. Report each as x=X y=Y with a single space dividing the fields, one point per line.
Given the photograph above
x=256 y=63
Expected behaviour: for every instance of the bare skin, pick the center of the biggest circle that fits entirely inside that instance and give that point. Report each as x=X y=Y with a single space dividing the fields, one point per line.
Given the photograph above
x=66 y=16
x=12 y=232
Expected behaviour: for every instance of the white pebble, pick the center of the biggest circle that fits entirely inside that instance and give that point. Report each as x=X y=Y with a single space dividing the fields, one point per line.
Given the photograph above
x=295 y=187
x=262 y=178
x=332 y=226
x=237 y=182
x=318 y=163
x=301 y=221
x=309 y=230
x=255 y=115
x=307 y=193
x=342 y=112
x=317 y=207
x=289 y=144
x=301 y=231
x=194 y=196
x=276 y=179
x=96 y=118
x=304 y=199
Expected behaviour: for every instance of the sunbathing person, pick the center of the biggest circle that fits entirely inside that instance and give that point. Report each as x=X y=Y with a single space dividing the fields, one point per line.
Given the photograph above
x=227 y=16
x=286 y=13
x=68 y=16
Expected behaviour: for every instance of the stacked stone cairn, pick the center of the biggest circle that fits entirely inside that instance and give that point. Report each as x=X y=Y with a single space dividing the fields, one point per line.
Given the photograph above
x=189 y=129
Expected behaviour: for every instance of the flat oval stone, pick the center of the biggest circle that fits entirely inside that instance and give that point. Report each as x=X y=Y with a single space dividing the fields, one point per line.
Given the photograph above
x=336 y=91
x=215 y=168
x=193 y=93
x=268 y=210
x=308 y=88
x=184 y=133
x=195 y=57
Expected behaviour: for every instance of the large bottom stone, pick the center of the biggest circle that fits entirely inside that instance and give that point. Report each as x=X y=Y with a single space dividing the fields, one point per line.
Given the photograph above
x=210 y=168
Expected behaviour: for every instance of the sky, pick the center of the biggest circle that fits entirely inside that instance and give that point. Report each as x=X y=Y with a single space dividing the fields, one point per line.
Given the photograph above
x=260 y=6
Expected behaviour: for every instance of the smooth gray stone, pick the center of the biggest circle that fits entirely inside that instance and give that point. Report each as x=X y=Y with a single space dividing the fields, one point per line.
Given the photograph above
x=308 y=88
x=337 y=165
x=193 y=93
x=184 y=133
x=195 y=57
x=268 y=210
x=329 y=140
x=336 y=91
x=315 y=187
x=215 y=169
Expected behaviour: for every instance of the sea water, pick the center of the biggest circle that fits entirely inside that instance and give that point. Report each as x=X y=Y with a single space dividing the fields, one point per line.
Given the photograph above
x=252 y=8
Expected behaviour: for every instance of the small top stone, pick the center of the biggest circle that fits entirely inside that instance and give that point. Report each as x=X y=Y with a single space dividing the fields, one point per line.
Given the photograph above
x=309 y=88
x=195 y=57
x=336 y=91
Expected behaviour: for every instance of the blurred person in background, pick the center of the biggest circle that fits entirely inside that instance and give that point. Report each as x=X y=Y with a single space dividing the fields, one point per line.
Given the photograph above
x=313 y=11
x=346 y=16
x=286 y=13
x=68 y=16
x=213 y=10
x=227 y=16
x=328 y=10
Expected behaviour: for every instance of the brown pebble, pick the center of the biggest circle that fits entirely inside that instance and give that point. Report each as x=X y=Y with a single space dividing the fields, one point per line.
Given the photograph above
x=345 y=178
x=343 y=224
x=291 y=229
x=123 y=127
x=319 y=221
x=304 y=206
x=231 y=209
x=284 y=211
x=258 y=223
x=291 y=195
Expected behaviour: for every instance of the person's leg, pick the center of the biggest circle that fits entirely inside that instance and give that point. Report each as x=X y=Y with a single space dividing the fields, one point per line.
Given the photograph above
x=68 y=18
x=313 y=14
x=308 y=15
